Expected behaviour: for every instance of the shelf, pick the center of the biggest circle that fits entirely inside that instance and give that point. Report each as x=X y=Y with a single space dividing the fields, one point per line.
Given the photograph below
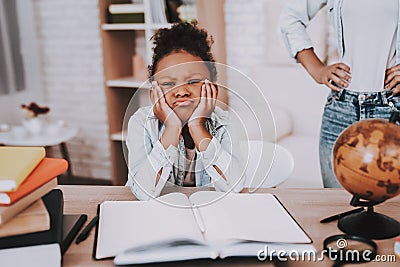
x=123 y=26
x=127 y=82
x=134 y=26
x=119 y=136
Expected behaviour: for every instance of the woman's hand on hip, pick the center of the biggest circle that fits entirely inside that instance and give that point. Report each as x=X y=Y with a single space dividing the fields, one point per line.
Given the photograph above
x=334 y=75
x=392 y=79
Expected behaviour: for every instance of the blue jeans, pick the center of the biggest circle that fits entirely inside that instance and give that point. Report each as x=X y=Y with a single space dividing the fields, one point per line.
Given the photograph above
x=343 y=109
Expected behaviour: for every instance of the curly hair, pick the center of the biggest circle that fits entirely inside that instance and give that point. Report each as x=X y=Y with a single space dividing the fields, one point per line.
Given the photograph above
x=186 y=37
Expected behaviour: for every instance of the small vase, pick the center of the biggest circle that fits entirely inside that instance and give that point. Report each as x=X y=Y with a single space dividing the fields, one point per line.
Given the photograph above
x=33 y=126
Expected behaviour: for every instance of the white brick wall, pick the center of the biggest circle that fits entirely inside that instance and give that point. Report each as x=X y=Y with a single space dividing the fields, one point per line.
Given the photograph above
x=245 y=41
x=244 y=33
x=71 y=53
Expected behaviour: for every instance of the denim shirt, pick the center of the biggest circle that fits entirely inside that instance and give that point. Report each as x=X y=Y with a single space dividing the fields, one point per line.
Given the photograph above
x=297 y=15
x=147 y=156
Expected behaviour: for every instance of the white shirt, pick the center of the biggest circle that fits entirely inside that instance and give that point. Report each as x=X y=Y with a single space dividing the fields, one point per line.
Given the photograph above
x=298 y=13
x=369 y=44
x=147 y=156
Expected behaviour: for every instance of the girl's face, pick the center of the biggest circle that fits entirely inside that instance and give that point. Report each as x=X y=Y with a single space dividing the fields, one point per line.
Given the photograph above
x=181 y=83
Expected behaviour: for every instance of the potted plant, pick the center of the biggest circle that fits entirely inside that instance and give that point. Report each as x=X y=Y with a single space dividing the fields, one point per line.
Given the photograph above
x=32 y=122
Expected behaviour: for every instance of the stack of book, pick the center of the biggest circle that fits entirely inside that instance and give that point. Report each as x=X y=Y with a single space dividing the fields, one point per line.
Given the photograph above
x=32 y=222
x=25 y=176
x=126 y=13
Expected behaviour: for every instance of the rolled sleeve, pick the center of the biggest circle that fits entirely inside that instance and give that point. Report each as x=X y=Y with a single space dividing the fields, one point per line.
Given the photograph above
x=293 y=22
x=147 y=156
x=160 y=157
x=144 y=181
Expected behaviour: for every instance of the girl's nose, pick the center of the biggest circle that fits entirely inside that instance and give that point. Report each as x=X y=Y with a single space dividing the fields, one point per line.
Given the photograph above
x=182 y=90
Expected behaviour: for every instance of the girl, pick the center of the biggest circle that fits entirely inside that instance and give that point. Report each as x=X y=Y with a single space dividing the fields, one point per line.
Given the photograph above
x=365 y=83
x=182 y=139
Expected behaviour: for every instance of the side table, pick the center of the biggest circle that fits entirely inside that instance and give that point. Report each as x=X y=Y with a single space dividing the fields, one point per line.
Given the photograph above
x=18 y=136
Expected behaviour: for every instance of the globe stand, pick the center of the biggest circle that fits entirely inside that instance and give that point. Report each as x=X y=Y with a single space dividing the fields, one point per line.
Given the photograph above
x=369 y=224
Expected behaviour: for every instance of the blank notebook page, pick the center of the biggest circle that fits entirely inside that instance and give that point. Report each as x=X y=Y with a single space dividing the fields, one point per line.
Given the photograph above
x=125 y=224
x=254 y=217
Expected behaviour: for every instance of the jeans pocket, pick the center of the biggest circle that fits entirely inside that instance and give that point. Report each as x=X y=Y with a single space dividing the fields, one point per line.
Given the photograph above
x=331 y=98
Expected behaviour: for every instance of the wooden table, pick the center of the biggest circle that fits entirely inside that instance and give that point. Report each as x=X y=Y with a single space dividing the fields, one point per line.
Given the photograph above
x=307 y=206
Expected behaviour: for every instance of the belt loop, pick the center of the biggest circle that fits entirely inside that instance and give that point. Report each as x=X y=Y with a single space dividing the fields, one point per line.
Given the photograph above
x=384 y=98
x=340 y=94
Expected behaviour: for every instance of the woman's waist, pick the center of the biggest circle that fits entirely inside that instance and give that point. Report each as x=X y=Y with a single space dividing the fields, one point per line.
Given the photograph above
x=374 y=98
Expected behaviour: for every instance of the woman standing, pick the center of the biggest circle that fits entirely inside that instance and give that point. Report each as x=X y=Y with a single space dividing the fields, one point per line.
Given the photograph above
x=366 y=81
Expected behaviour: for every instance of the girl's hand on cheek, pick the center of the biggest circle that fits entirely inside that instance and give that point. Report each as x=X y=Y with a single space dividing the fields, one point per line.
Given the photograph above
x=208 y=100
x=392 y=79
x=160 y=107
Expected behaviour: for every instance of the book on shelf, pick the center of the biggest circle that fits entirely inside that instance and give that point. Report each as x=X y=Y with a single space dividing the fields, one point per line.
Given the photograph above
x=35 y=218
x=126 y=13
x=8 y=212
x=126 y=18
x=205 y=225
x=46 y=170
x=125 y=8
x=16 y=163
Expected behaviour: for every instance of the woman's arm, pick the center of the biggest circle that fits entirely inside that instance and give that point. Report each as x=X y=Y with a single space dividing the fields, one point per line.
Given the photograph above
x=293 y=21
x=331 y=75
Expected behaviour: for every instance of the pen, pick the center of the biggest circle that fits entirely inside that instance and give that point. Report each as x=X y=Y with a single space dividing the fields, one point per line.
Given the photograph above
x=341 y=215
x=198 y=219
x=85 y=232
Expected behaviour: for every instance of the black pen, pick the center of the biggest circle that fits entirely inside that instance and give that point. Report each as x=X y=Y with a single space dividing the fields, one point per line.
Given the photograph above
x=85 y=232
x=341 y=215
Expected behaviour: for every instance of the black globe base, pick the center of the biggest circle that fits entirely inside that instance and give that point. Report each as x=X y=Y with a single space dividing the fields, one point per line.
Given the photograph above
x=370 y=224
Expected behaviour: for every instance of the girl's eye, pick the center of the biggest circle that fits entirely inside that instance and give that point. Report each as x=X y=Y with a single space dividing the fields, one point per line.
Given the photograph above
x=194 y=81
x=168 y=84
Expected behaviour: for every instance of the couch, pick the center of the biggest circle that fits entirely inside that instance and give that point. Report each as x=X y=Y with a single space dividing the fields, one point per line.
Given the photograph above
x=296 y=103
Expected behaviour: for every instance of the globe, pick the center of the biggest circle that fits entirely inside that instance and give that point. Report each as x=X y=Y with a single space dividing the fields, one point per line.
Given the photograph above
x=366 y=159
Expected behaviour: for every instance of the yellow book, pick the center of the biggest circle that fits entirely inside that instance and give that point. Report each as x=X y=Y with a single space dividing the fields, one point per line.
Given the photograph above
x=16 y=163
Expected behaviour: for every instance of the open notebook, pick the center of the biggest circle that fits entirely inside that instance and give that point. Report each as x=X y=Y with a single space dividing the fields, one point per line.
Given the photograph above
x=205 y=225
